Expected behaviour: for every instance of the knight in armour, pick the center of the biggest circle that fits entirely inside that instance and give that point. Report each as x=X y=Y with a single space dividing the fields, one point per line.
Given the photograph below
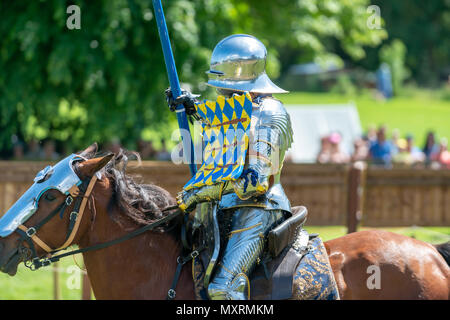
x=255 y=202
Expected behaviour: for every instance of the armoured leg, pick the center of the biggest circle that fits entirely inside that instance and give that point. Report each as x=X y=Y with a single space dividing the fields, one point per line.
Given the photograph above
x=249 y=227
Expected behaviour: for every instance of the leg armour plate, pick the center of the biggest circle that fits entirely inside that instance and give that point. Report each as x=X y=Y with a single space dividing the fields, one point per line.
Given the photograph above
x=244 y=247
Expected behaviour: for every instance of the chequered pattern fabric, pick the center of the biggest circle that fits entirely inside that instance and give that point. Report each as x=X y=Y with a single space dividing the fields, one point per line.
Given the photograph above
x=225 y=132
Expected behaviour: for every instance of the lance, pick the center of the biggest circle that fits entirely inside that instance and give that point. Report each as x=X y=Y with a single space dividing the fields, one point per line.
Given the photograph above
x=188 y=149
x=183 y=124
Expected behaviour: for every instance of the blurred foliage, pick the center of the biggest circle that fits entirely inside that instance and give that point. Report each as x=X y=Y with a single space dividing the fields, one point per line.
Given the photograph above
x=444 y=93
x=344 y=85
x=106 y=80
x=424 y=28
x=394 y=54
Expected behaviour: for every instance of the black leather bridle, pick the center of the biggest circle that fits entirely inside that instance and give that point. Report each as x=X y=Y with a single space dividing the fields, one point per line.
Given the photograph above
x=28 y=235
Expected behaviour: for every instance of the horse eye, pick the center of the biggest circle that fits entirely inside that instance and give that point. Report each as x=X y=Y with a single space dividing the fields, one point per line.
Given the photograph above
x=49 y=197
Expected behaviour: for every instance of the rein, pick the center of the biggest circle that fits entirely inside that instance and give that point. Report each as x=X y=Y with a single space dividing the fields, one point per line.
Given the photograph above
x=33 y=262
x=49 y=260
x=29 y=234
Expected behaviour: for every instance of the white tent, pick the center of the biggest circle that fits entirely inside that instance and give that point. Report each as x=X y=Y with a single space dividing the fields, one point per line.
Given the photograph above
x=312 y=122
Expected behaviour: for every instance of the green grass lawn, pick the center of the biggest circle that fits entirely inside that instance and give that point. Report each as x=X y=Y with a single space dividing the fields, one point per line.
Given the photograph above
x=38 y=285
x=415 y=111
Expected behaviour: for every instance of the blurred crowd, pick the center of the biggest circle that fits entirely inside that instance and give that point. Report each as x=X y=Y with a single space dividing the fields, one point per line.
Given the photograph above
x=377 y=149
x=374 y=147
x=33 y=150
x=48 y=149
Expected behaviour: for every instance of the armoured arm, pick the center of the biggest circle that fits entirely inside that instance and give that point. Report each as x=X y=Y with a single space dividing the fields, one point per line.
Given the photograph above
x=188 y=200
x=271 y=137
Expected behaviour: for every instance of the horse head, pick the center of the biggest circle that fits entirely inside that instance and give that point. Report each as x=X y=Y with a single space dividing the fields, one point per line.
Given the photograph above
x=45 y=218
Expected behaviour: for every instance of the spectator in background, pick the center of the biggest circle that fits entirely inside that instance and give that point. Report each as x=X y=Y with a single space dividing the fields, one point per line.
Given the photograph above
x=146 y=150
x=380 y=152
x=361 y=150
x=402 y=144
x=384 y=80
x=34 y=150
x=411 y=155
x=371 y=135
x=416 y=154
x=325 y=150
x=163 y=154
x=330 y=151
x=430 y=147
x=114 y=145
x=48 y=151
x=442 y=157
x=336 y=154
x=396 y=140
x=18 y=150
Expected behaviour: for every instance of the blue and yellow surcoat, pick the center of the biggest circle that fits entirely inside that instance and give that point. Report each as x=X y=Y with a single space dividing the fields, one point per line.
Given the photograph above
x=225 y=131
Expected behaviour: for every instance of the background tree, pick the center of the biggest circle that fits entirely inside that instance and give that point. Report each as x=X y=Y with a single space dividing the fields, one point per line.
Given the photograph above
x=423 y=26
x=394 y=55
x=106 y=80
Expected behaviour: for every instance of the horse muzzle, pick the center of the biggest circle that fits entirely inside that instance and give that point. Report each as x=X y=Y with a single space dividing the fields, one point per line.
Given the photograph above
x=9 y=260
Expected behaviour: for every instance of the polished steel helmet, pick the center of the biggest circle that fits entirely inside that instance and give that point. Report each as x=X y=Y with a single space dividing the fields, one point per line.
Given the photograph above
x=238 y=63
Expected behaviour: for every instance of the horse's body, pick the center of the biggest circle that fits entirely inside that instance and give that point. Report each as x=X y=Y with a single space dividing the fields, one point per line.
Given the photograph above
x=143 y=267
x=409 y=269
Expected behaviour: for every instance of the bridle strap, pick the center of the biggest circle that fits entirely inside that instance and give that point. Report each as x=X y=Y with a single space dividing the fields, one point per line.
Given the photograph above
x=35 y=238
x=79 y=215
x=30 y=233
x=128 y=236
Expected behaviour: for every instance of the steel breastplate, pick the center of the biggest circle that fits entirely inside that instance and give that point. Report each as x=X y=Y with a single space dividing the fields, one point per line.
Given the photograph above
x=270 y=122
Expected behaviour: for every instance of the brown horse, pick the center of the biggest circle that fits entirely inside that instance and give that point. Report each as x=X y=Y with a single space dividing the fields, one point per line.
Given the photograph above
x=143 y=267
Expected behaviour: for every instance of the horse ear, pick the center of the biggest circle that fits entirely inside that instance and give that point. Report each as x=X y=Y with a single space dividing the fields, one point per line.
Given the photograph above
x=90 y=151
x=89 y=167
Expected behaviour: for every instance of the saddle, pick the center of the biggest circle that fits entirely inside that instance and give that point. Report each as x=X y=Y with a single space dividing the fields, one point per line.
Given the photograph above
x=295 y=265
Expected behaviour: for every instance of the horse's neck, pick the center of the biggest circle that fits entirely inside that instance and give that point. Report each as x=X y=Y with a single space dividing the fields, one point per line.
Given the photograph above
x=139 y=268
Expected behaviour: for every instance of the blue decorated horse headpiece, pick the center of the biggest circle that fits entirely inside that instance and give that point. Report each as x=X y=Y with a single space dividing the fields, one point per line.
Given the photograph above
x=61 y=177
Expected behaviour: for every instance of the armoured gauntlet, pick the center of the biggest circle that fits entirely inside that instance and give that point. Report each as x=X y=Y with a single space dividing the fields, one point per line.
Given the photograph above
x=187 y=200
x=250 y=184
x=187 y=99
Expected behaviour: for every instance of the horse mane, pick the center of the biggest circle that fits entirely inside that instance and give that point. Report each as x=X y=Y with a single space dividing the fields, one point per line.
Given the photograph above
x=141 y=203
